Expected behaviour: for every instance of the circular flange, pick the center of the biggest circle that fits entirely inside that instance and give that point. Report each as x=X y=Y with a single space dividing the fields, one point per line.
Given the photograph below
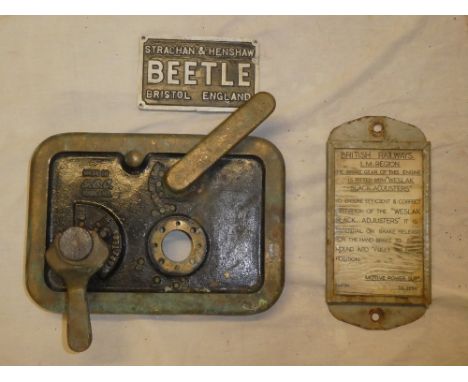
x=197 y=253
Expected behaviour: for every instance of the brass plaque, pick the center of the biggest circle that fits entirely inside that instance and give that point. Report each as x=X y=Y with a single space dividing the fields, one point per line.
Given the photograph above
x=192 y=74
x=378 y=222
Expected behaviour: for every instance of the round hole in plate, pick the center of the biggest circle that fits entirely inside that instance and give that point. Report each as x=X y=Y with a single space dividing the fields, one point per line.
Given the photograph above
x=377 y=128
x=175 y=250
x=177 y=246
x=376 y=315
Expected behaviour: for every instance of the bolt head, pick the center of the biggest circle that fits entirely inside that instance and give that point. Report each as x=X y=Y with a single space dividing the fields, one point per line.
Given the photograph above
x=76 y=244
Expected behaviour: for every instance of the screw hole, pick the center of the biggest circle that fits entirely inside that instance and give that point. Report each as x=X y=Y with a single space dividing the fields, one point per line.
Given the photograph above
x=376 y=315
x=377 y=128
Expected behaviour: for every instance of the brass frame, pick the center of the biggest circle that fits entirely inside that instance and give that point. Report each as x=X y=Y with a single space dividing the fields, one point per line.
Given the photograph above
x=157 y=303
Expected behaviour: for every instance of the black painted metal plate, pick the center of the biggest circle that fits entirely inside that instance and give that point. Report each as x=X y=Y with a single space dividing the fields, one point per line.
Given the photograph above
x=99 y=192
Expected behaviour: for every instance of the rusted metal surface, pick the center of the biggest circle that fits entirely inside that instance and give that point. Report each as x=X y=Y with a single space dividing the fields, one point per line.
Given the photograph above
x=113 y=184
x=378 y=248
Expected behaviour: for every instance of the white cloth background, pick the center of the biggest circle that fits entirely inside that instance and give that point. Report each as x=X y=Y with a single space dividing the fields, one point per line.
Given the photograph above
x=81 y=73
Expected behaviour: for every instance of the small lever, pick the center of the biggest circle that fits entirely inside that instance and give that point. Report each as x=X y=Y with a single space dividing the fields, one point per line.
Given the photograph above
x=220 y=141
x=76 y=255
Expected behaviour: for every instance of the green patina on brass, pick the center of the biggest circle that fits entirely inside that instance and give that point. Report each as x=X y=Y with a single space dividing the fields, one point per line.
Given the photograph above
x=114 y=186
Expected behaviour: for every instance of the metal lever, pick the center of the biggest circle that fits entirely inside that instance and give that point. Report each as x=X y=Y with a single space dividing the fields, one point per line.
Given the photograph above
x=76 y=255
x=220 y=141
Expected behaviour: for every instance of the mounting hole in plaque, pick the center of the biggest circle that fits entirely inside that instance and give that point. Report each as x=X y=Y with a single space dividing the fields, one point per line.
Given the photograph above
x=376 y=314
x=378 y=243
x=378 y=128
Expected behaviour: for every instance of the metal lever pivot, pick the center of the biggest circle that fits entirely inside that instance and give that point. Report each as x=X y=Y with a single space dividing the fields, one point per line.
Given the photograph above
x=76 y=255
